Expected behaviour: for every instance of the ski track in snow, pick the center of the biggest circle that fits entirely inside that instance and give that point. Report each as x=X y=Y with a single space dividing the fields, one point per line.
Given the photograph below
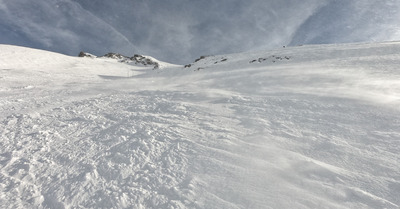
x=317 y=130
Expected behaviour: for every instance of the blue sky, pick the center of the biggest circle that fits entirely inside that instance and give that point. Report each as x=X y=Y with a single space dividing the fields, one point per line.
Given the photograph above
x=179 y=31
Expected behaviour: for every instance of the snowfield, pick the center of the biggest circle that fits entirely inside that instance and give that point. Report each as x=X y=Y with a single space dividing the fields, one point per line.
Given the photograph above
x=299 y=127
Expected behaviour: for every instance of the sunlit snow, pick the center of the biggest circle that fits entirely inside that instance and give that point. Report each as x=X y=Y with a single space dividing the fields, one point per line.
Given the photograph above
x=300 y=127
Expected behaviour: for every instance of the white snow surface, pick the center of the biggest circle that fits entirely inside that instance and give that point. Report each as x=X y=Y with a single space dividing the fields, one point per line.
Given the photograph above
x=300 y=127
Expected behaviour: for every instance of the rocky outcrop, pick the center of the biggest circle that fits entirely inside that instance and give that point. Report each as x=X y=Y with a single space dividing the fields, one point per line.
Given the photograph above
x=135 y=59
x=85 y=54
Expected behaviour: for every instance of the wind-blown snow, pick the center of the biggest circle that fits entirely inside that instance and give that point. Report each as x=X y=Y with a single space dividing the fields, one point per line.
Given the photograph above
x=301 y=127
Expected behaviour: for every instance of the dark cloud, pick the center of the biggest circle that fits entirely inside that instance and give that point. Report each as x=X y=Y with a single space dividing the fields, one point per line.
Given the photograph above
x=182 y=30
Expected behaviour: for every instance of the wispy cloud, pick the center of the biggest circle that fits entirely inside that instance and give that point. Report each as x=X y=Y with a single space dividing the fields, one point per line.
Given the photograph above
x=61 y=26
x=342 y=21
x=180 y=30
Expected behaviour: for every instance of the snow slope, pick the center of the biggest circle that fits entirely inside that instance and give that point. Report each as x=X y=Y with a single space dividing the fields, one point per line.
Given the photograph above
x=302 y=127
